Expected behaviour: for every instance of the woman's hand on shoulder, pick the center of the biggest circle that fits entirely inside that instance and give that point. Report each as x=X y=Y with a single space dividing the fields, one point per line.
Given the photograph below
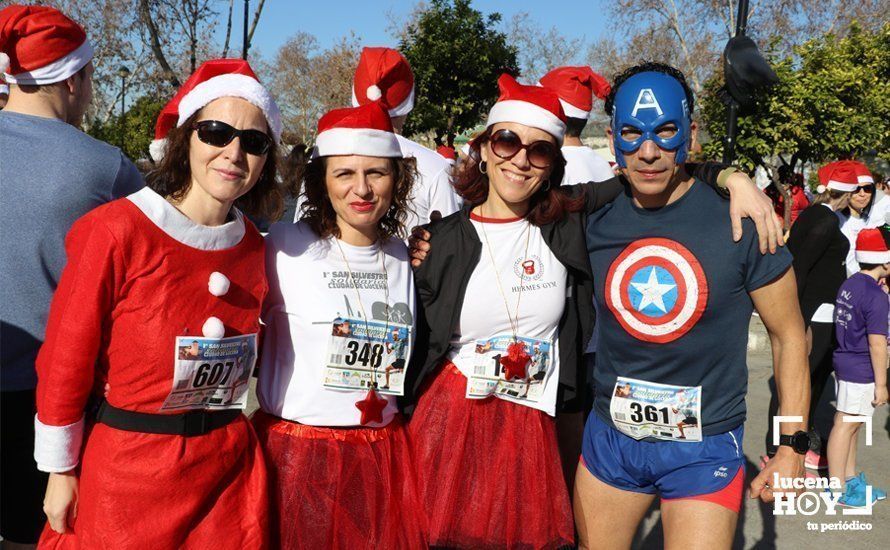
x=60 y=502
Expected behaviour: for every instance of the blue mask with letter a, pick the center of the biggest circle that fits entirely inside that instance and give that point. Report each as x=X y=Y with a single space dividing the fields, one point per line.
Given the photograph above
x=647 y=101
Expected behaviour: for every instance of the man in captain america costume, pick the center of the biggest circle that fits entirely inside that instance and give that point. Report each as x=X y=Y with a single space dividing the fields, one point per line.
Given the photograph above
x=675 y=295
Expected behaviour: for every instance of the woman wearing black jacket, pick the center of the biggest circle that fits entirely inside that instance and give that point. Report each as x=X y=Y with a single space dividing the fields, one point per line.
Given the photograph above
x=820 y=251
x=507 y=292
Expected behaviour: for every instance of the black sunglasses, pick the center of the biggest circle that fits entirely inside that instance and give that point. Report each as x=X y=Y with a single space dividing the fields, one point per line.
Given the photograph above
x=220 y=134
x=506 y=144
x=869 y=189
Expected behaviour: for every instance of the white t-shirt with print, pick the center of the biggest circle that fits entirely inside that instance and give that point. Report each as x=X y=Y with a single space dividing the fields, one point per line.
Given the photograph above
x=541 y=302
x=309 y=287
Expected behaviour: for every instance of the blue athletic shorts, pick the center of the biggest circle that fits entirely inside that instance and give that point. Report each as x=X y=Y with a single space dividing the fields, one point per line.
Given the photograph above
x=674 y=469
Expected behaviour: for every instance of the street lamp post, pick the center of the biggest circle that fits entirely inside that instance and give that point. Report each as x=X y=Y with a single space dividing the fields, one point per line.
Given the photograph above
x=123 y=72
x=244 y=39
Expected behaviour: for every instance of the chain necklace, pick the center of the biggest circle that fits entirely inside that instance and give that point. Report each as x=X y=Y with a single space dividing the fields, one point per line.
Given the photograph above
x=362 y=306
x=514 y=319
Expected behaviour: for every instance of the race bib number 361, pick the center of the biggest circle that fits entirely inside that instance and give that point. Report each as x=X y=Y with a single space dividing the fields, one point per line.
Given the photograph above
x=643 y=409
x=212 y=373
x=370 y=355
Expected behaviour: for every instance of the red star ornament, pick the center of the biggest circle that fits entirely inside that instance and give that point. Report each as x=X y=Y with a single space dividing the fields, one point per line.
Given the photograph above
x=371 y=407
x=515 y=361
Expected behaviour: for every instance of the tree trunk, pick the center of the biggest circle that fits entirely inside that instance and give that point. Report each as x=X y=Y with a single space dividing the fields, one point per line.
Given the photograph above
x=256 y=19
x=784 y=189
x=155 y=44
x=225 y=52
x=193 y=36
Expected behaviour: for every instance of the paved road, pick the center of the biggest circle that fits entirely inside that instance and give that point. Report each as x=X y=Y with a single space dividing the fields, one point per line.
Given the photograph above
x=759 y=528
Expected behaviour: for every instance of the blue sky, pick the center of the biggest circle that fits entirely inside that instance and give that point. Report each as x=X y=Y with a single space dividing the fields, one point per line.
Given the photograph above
x=329 y=20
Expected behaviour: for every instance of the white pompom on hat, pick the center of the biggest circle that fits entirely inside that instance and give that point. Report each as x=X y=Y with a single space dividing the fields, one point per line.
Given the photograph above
x=384 y=75
x=576 y=87
x=533 y=106
x=41 y=45
x=214 y=79
x=364 y=130
x=871 y=247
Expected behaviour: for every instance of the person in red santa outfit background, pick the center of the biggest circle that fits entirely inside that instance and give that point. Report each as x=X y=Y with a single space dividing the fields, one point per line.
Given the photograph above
x=171 y=458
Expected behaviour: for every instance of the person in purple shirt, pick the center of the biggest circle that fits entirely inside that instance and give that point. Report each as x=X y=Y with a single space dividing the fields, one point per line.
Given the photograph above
x=860 y=360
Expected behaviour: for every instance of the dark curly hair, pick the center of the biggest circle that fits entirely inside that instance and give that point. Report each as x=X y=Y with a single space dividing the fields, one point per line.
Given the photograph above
x=172 y=178
x=645 y=67
x=545 y=206
x=308 y=174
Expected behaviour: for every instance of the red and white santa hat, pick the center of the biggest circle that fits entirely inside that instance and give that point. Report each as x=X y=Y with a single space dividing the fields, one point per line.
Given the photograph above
x=863 y=174
x=40 y=45
x=576 y=87
x=871 y=247
x=838 y=175
x=529 y=105
x=212 y=80
x=383 y=75
x=363 y=130
x=446 y=152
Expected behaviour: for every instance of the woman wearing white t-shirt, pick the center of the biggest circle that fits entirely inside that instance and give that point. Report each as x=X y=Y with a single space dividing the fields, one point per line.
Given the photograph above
x=340 y=324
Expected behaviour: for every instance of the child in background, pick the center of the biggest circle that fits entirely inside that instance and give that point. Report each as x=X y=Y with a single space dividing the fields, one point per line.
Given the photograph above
x=860 y=361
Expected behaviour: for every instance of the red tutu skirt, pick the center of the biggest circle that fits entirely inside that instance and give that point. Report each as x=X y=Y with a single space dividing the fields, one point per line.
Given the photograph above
x=341 y=487
x=489 y=471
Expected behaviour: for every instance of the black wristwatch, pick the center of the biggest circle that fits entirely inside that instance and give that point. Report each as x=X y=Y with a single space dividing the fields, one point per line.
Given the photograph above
x=799 y=441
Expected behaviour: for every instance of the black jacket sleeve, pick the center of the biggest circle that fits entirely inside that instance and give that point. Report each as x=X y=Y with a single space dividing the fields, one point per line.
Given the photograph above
x=807 y=243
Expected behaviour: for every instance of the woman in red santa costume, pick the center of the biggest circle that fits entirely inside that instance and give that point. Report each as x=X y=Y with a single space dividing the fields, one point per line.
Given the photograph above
x=506 y=289
x=158 y=307
x=340 y=324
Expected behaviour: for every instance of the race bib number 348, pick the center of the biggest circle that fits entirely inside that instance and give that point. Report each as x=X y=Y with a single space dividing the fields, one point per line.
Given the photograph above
x=367 y=355
x=643 y=409
x=212 y=373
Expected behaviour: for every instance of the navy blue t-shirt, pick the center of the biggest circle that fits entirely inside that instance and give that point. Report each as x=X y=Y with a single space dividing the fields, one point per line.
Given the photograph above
x=672 y=292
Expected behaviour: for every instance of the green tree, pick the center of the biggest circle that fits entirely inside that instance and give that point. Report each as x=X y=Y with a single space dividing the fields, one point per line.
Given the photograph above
x=832 y=101
x=132 y=133
x=457 y=55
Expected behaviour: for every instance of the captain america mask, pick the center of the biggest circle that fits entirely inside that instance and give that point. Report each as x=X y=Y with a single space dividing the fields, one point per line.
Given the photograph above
x=648 y=106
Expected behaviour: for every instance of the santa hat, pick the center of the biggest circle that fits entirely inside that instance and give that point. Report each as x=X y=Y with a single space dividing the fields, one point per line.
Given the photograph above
x=576 y=87
x=383 y=75
x=212 y=80
x=448 y=153
x=839 y=176
x=871 y=247
x=863 y=175
x=39 y=45
x=529 y=105
x=364 y=130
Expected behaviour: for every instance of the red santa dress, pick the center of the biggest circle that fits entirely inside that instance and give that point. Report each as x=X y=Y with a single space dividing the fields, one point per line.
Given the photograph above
x=136 y=279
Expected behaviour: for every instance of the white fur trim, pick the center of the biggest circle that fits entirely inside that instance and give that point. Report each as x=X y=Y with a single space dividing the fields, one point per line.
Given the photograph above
x=156 y=149
x=357 y=141
x=57 y=448
x=572 y=111
x=213 y=328
x=4 y=62
x=865 y=178
x=58 y=70
x=4 y=89
x=841 y=186
x=373 y=93
x=176 y=224
x=232 y=85
x=218 y=285
x=873 y=256
x=401 y=109
x=523 y=112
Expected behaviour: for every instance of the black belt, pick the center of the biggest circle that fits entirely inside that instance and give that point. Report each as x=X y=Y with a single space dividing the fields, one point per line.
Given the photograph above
x=191 y=423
